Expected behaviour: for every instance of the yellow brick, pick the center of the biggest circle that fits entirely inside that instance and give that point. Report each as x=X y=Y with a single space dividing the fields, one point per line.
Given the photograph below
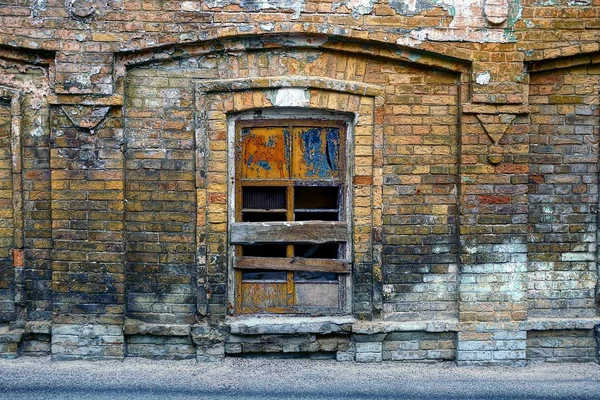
x=442 y=210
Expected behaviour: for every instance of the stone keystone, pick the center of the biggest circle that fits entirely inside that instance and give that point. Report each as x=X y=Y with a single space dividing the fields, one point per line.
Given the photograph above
x=496 y=125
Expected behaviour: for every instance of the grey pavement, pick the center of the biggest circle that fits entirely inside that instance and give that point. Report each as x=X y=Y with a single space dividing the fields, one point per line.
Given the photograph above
x=40 y=378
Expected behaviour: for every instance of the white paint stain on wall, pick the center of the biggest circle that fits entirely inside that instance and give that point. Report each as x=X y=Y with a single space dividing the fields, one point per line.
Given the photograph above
x=191 y=6
x=291 y=97
x=358 y=7
x=483 y=78
x=257 y=5
x=468 y=21
x=38 y=130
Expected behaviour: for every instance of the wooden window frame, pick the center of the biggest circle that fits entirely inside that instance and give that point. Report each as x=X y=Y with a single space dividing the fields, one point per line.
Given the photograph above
x=290 y=232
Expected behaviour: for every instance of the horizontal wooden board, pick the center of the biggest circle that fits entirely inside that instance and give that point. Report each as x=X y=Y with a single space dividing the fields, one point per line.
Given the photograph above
x=289 y=232
x=293 y=264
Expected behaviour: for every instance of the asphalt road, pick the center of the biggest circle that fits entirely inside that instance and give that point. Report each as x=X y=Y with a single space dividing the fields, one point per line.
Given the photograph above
x=35 y=378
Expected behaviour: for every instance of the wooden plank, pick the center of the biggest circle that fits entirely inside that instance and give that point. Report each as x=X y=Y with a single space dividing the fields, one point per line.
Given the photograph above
x=317 y=295
x=289 y=232
x=264 y=295
x=293 y=264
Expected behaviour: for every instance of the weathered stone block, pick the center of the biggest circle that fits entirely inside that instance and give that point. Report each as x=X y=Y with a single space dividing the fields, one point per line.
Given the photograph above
x=368 y=347
x=91 y=341
x=368 y=357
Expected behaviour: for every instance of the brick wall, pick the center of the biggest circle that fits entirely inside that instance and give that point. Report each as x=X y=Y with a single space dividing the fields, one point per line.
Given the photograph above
x=420 y=194
x=473 y=160
x=87 y=220
x=7 y=276
x=561 y=346
x=160 y=217
x=563 y=192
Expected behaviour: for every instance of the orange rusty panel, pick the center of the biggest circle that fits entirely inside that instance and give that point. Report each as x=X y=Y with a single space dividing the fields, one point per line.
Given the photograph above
x=316 y=153
x=264 y=154
x=257 y=295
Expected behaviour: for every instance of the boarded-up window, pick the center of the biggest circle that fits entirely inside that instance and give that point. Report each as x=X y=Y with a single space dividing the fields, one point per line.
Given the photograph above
x=290 y=228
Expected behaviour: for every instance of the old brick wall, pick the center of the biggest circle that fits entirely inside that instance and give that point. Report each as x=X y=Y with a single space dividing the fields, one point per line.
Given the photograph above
x=474 y=176
x=7 y=276
x=561 y=346
x=160 y=216
x=563 y=192
x=420 y=194
x=87 y=220
x=26 y=219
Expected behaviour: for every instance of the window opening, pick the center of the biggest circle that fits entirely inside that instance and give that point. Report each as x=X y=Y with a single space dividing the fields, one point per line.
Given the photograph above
x=290 y=231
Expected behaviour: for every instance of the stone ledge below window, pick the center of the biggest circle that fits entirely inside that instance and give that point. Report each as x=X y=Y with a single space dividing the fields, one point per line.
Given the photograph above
x=285 y=325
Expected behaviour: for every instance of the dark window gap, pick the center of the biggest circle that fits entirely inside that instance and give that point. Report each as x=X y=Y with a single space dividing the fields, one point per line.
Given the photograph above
x=316 y=216
x=264 y=250
x=312 y=276
x=316 y=197
x=264 y=275
x=325 y=250
x=264 y=197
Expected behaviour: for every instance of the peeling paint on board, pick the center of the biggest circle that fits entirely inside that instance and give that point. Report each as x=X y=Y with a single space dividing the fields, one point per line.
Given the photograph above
x=265 y=155
x=318 y=152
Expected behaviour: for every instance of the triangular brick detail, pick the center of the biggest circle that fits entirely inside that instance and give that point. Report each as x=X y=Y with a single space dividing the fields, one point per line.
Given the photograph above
x=496 y=125
x=87 y=117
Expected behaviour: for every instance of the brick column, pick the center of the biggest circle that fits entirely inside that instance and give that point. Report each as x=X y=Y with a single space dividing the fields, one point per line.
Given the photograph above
x=493 y=213
x=87 y=211
x=493 y=229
